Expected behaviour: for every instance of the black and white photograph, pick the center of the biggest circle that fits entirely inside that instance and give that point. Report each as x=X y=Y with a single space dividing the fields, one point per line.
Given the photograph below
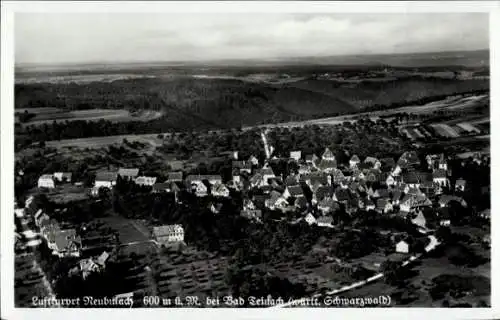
x=248 y=159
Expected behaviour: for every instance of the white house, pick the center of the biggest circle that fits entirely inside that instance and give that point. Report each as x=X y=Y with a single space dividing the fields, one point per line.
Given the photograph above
x=220 y=190
x=402 y=247
x=296 y=155
x=63 y=176
x=439 y=177
x=46 y=181
x=199 y=188
x=145 y=181
x=328 y=155
x=354 y=161
x=105 y=180
x=168 y=234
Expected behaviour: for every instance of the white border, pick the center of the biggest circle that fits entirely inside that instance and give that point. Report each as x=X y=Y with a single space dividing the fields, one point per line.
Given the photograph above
x=7 y=152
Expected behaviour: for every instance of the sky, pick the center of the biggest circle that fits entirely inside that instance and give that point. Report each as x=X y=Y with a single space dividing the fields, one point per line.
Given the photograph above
x=55 y=38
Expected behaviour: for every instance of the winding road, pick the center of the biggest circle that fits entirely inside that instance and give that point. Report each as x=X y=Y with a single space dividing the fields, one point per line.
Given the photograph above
x=431 y=246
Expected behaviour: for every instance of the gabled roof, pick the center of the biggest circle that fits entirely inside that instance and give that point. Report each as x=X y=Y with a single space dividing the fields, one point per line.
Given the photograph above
x=174 y=176
x=311 y=157
x=342 y=194
x=354 y=158
x=328 y=153
x=410 y=177
x=325 y=219
x=106 y=176
x=167 y=230
x=388 y=162
x=440 y=173
x=301 y=202
x=382 y=203
x=291 y=180
x=295 y=191
x=219 y=187
x=274 y=196
x=396 y=195
x=266 y=171
x=128 y=172
x=445 y=199
x=46 y=177
x=326 y=203
x=371 y=160
x=381 y=193
x=64 y=238
x=327 y=164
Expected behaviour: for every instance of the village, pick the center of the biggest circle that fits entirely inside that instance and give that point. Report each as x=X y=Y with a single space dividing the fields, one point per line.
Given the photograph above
x=319 y=191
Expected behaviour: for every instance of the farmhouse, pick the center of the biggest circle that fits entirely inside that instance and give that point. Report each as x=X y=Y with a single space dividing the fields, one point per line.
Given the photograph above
x=145 y=181
x=105 y=180
x=296 y=155
x=354 y=161
x=328 y=155
x=460 y=185
x=402 y=247
x=65 y=243
x=63 y=176
x=46 y=181
x=129 y=174
x=168 y=234
x=174 y=176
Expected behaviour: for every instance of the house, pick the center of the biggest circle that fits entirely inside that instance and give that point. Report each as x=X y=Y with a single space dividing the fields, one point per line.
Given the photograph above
x=212 y=179
x=296 y=155
x=63 y=176
x=105 y=180
x=315 y=178
x=408 y=159
x=369 y=204
x=168 y=234
x=387 y=164
x=460 y=185
x=102 y=259
x=485 y=214
x=166 y=187
x=419 y=220
x=396 y=196
x=411 y=179
x=276 y=201
x=321 y=193
x=129 y=174
x=246 y=167
x=328 y=155
x=325 y=221
x=252 y=214
x=310 y=219
x=326 y=205
x=402 y=247
x=46 y=181
x=338 y=176
x=311 y=159
x=87 y=267
x=174 y=176
x=374 y=162
x=444 y=200
x=253 y=160
x=292 y=180
x=220 y=190
x=354 y=161
x=267 y=173
x=381 y=193
x=199 y=188
x=327 y=166
x=440 y=177
x=65 y=243
x=216 y=207
x=444 y=216
x=300 y=202
x=383 y=206
x=293 y=191
x=145 y=181
x=442 y=164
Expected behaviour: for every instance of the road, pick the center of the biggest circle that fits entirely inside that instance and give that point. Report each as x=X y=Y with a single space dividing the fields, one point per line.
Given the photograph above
x=431 y=246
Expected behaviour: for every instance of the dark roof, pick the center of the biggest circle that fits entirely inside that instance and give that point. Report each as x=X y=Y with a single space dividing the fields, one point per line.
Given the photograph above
x=106 y=176
x=323 y=191
x=311 y=157
x=175 y=176
x=410 y=177
x=301 y=202
x=295 y=191
x=342 y=194
x=291 y=180
x=324 y=219
x=388 y=162
x=128 y=172
x=381 y=203
x=327 y=164
x=440 y=173
x=328 y=153
x=64 y=238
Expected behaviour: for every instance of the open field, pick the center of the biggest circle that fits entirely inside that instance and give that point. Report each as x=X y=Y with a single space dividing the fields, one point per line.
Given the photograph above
x=49 y=115
x=80 y=79
x=445 y=130
x=99 y=142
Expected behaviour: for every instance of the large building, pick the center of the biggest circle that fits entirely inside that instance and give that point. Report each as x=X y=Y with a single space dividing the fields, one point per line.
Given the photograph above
x=168 y=234
x=46 y=181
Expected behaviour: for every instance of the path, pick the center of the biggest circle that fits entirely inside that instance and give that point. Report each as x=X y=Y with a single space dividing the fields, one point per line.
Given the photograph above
x=431 y=246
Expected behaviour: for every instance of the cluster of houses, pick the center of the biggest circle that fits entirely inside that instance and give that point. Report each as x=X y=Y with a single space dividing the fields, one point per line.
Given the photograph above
x=319 y=187
x=49 y=181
